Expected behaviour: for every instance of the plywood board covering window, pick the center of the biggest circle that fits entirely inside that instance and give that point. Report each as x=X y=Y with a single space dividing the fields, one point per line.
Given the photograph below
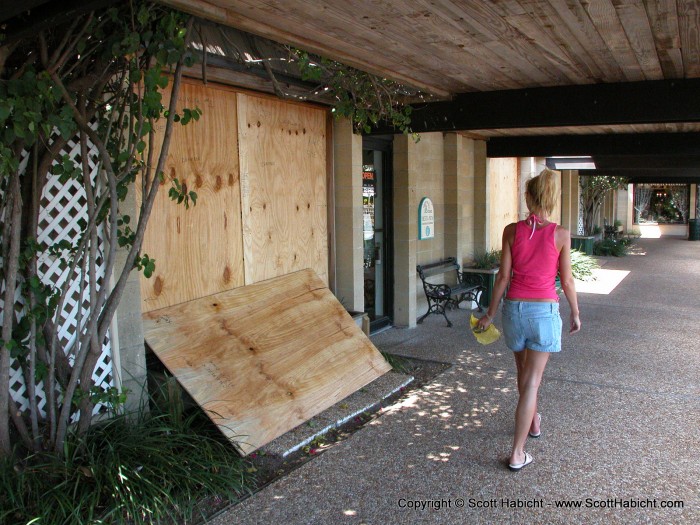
x=258 y=166
x=283 y=187
x=264 y=358
x=198 y=251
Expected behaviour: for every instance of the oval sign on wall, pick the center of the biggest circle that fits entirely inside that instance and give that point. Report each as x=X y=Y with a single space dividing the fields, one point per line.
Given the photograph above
x=426 y=219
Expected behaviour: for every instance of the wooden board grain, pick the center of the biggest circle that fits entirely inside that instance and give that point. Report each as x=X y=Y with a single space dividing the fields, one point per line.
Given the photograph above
x=283 y=187
x=450 y=46
x=198 y=251
x=264 y=358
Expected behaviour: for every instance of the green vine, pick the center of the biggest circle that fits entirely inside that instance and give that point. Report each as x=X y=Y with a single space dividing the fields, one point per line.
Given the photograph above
x=364 y=98
x=96 y=80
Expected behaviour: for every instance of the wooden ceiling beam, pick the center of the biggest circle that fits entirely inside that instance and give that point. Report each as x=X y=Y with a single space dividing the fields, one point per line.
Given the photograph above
x=340 y=50
x=648 y=102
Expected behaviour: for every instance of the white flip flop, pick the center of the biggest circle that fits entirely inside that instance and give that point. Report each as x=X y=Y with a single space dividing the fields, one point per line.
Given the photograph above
x=517 y=467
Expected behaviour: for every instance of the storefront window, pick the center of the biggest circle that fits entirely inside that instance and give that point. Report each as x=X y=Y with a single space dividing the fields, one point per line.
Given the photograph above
x=661 y=203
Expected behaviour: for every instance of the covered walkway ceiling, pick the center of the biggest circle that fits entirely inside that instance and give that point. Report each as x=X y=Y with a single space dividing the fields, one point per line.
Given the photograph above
x=550 y=77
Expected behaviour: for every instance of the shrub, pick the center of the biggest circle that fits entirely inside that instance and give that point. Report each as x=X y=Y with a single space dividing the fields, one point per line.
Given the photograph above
x=582 y=265
x=137 y=469
x=616 y=248
x=487 y=260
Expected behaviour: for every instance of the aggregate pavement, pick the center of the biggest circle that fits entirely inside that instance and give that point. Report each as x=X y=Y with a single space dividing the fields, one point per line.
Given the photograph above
x=620 y=421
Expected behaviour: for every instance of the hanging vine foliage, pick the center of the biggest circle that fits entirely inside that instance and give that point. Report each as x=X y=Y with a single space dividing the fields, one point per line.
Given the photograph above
x=364 y=98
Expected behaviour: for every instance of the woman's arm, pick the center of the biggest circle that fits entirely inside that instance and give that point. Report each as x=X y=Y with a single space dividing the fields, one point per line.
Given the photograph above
x=567 y=279
x=502 y=277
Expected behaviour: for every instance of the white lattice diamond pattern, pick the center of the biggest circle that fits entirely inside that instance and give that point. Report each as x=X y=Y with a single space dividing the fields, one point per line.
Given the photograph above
x=63 y=205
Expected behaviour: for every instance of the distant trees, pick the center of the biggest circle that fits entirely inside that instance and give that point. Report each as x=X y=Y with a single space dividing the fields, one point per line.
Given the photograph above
x=594 y=188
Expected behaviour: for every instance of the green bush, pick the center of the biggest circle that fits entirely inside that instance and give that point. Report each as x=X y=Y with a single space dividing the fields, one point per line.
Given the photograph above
x=616 y=248
x=138 y=469
x=582 y=265
x=487 y=260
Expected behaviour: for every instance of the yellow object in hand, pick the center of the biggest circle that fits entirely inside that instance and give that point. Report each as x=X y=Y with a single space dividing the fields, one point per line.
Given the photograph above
x=485 y=337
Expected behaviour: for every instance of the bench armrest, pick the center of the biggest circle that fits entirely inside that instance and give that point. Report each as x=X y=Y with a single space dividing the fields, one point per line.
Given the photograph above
x=438 y=291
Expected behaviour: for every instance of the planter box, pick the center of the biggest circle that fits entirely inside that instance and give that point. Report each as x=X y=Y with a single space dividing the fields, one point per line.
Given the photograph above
x=583 y=243
x=489 y=276
x=361 y=320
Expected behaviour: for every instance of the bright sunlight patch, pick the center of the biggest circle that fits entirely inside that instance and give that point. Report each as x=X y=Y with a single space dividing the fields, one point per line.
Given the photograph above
x=603 y=281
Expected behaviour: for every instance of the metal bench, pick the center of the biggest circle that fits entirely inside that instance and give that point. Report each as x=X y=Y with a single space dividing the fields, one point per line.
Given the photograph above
x=442 y=296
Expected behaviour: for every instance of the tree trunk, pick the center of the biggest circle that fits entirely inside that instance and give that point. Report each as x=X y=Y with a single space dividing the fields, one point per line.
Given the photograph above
x=13 y=217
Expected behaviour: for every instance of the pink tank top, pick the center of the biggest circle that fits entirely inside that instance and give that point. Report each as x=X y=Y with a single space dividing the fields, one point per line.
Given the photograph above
x=535 y=263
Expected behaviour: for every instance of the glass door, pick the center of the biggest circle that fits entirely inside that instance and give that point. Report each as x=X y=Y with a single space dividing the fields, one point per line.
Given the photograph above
x=376 y=223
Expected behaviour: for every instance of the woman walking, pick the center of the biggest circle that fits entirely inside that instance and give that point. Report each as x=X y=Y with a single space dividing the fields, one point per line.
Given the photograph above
x=533 y=252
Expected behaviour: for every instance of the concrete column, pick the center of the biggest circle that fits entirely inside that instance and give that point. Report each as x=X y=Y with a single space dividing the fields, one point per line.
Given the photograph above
x=347 y=156
x=693 y=202
x=466 y=196
x=128 y=347
x=622 y=205
x=567 y=202
x=481 y=201
x=459 y=198
x=405 y=232
x=527 y=168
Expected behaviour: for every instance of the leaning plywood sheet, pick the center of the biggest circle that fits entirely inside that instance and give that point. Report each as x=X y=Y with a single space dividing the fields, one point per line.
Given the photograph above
x=264 y=358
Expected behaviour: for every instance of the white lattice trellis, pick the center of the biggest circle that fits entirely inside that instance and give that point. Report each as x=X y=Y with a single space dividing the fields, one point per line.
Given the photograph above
x=63 y=205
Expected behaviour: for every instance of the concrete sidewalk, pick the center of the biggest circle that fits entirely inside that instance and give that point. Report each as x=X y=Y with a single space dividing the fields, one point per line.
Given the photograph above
x=620 y=421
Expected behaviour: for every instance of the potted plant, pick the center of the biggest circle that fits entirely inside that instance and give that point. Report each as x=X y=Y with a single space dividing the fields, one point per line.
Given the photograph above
x=597 y=232
x=485 y=268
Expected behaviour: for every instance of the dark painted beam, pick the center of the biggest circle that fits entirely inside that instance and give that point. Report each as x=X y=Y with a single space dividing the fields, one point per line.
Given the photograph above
x=11 y=9
x=680 y=175
x=647 y=102
x=49 y=15
x=647 y=162
x=671 y=144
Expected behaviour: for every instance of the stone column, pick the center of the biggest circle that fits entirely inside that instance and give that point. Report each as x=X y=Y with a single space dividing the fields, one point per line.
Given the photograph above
x=128 y=347
x=693 y=202
x=569 y=200
x=347 y=155
x=459 y=196
x=481 y=201
x=527 y=171
x=405 y=233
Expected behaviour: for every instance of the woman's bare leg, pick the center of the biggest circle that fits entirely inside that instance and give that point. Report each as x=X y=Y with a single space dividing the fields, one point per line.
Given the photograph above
x=520 y=358
x=529 y=377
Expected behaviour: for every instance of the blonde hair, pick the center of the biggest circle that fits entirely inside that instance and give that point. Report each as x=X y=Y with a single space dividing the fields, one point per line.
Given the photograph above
x=542 y=191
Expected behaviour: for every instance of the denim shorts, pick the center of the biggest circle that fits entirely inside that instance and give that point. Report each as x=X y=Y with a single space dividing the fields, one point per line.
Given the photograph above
x=532 y=325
